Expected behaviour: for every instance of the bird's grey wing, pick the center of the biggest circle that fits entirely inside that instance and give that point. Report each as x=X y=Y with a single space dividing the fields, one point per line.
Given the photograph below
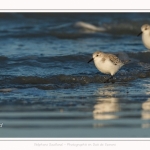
x=114 y=59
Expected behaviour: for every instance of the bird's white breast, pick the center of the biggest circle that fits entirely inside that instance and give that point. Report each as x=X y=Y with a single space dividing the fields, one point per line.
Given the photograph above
x=107 y=66
x=146 y=40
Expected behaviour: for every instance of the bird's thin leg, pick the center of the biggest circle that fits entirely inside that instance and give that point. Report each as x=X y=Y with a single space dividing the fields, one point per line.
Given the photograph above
x=111 y=77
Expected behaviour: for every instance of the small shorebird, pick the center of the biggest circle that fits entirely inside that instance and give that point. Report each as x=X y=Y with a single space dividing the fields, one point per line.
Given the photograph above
x=107 y=63
x=145 y=31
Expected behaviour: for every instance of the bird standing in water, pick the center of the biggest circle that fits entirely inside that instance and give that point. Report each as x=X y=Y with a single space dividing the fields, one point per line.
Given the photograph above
x=106 y=63
x=145 y=32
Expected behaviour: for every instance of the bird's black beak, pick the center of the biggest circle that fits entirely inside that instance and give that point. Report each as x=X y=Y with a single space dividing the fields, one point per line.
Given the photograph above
x=139 y=33
x=90 y=60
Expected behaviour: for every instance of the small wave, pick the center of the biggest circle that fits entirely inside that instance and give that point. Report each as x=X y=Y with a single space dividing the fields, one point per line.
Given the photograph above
x=119 y=27
x=139 y=67
x=7 y=89
x=82 y=29
x=89 y=26
x=71 y=81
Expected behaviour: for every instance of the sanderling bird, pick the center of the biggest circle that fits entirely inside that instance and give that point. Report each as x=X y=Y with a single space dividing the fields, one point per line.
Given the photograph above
x=107 y=63
x=145 y=31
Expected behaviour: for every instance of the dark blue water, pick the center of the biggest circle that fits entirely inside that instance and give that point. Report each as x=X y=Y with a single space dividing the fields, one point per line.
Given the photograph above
x=47 y=88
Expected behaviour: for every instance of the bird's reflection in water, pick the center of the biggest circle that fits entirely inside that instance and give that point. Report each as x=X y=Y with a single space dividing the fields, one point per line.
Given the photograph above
x=107 y=104
x=145 y=114
x=105 y=108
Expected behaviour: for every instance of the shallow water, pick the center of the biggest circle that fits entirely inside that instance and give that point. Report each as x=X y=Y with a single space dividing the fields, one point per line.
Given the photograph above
x=49 y=90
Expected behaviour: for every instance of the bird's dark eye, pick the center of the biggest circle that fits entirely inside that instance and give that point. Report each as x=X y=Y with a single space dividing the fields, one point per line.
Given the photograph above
x=97 y=55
